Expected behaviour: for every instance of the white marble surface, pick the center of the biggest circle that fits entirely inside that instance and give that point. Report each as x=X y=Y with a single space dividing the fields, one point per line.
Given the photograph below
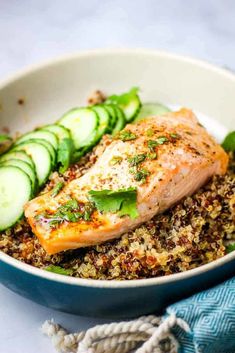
x=32 y=31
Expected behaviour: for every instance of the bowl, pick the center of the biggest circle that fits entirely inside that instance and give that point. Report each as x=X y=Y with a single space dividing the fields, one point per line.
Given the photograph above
x=42 y=93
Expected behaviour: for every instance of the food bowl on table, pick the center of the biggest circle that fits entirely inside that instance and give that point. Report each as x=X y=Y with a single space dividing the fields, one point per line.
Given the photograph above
x=41 y=94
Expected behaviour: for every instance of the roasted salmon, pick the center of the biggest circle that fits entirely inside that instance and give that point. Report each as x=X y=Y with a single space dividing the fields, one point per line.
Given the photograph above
x=161 y=159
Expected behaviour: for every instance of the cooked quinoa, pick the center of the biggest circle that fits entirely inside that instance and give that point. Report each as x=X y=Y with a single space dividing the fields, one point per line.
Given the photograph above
x=192 y=233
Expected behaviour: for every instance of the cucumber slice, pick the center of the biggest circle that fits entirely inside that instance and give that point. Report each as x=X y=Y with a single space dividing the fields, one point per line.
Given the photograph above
x=82 y=124
x=50 y=148
x=47 y=145
x=129 y=102
x=60 y=131
x=15 y=191
x=41 y=157
x=65 y=148
x=113 y=115
x=5 y=143
x=25 y=167
x=104 y=119
x=121 y=121
x=20 y=155
x=150 y=109
x=39 y=134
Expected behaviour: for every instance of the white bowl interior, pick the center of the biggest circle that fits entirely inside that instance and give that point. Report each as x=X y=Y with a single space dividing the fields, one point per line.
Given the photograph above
x=48 y=91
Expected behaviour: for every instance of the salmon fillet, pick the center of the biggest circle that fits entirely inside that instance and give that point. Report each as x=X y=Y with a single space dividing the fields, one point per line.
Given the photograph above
x=178 y=157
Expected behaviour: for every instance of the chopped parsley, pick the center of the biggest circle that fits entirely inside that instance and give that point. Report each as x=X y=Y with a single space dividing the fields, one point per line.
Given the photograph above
x=135 y=160
x=70 y=205
x=174 y=135
x=149 y=132
x=89 y=208
x=126 y=135
x=55 y=191
x=230 y=248
x=115 y=160
x=59 y=270
x=122 y=201
x=71 y=211
x=140 y=174
x=229 y=142
x=152 y=155
x=162 y=139
x=154 y=143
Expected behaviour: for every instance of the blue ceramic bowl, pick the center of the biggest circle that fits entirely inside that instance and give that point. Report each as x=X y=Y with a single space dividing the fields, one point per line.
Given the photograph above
x=55 y=87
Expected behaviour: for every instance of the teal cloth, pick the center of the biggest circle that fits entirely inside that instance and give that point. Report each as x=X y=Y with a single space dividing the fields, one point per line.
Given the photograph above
x=211 y=317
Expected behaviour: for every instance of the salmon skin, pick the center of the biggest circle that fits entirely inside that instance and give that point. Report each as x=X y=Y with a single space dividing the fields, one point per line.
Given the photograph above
x=175 y=155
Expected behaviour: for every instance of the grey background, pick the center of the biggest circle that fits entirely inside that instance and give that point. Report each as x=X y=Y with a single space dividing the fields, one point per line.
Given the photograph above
x=33 y=31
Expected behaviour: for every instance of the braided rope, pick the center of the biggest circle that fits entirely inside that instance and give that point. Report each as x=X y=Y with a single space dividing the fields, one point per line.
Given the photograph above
x=120 y=337
x=162 y=330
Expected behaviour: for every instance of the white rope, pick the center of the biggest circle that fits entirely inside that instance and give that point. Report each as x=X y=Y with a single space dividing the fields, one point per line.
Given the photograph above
x=120 y=337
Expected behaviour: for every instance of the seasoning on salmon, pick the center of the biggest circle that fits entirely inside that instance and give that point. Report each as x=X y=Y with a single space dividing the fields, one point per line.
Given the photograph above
x=186 y=157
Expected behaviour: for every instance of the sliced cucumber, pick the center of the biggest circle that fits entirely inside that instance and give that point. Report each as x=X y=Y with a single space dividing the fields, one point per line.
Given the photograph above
x=19 y=155
x=25 y=167
x=5 y=143
x=82 y=124
x=15 y=191
x=60 y=131
x=47 y=145
x=121 y=121
x=41 y=157
x=113 y=115
x=50 y=148
x=104 y=119
x=65 y=147
x=40 y=134
x=129 y=102
x=151 y=109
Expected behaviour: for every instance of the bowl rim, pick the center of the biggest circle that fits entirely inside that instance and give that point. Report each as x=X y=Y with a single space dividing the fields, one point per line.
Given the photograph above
x=112 y=284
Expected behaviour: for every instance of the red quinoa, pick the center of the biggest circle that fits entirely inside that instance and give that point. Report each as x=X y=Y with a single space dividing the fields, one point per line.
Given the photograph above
x=192 y=233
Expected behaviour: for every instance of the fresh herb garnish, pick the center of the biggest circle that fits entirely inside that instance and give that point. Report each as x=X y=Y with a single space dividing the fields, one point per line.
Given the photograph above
x=123 y=99
x=135 y=160
x=161 y=140
x=152 y=155
x=59 y=270
x=115 y=160
x=71 y=211
x=55 y=191
x=229 y=142
x=126 y=135
x=154 y=143
x=65 y=151
x=122 y=201
x=140 y=174
x=149 y=132
x=174 y=136
x=78 y=154
x=70 y=205
x=89 y=208
x=230 y=248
